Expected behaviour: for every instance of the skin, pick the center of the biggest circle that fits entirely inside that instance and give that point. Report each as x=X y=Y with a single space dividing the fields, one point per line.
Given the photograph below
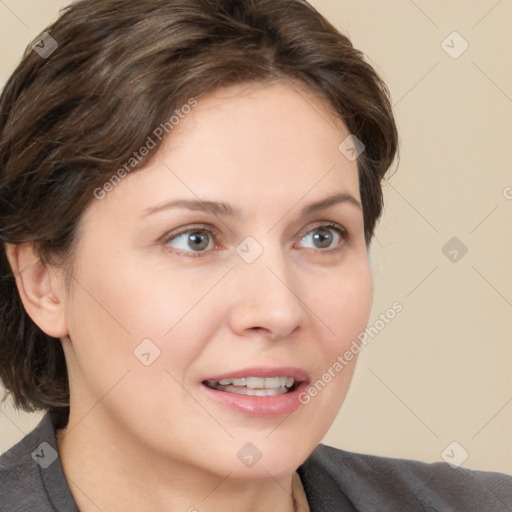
x=149 y=437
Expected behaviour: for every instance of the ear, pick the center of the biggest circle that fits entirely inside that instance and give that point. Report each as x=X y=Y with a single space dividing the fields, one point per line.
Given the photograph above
x=41 y=288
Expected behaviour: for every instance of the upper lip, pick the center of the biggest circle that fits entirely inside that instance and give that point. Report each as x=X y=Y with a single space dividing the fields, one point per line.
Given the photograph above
x=297 y=374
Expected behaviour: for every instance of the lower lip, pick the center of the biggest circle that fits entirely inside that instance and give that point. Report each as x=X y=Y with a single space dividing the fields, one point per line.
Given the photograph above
x=259 y=406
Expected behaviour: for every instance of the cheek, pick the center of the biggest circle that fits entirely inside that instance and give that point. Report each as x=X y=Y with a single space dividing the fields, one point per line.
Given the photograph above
x=344 y=307
x=346 y=303
x=117 y=304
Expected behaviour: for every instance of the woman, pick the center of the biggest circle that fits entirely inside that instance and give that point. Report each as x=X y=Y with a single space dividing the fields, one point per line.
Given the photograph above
x=188 y=191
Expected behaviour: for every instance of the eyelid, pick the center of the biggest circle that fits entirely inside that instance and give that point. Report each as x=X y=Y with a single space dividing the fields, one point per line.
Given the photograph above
x=192 y=227
x=328 y=224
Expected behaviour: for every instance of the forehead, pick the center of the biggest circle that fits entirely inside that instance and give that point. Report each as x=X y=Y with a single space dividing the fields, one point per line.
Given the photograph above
x=270 y=142
x=277 y=114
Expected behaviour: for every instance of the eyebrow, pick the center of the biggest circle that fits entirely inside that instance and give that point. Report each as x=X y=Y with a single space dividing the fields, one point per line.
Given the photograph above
x=227 y=210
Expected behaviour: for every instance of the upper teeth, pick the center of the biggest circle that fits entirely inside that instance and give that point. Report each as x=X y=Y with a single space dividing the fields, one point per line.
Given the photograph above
x=259 y=382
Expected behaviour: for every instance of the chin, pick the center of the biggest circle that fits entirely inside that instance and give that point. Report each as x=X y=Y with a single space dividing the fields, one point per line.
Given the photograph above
x=262 y=457
x=276 y=467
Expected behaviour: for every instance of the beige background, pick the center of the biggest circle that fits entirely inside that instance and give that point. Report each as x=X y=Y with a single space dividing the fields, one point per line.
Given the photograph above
x=441 y=370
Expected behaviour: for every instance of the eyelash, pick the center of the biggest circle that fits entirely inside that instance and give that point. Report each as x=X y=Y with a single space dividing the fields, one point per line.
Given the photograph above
x=342 y=232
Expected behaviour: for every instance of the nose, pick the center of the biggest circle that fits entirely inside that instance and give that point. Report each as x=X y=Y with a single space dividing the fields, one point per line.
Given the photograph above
x=266 y=298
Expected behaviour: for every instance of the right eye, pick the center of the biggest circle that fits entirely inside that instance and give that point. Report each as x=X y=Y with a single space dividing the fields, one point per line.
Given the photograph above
x=191 y=240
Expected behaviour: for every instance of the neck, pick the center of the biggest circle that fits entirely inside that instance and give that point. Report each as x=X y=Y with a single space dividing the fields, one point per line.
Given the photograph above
x=107 y=470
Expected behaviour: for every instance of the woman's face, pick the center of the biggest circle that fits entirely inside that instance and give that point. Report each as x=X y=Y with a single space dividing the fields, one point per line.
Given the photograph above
x=218 y=261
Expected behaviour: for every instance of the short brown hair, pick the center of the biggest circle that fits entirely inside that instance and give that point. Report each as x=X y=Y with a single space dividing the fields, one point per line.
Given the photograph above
x=122 y=67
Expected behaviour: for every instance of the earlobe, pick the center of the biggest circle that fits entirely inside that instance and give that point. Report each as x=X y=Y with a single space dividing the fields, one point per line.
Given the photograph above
x=41 y=289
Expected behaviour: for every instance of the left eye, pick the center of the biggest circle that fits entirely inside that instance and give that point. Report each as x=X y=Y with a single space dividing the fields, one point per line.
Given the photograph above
x=325 y=237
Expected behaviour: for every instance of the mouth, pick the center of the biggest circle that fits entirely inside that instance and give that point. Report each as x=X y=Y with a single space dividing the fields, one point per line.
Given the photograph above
x=254 y=386
x=259 y=392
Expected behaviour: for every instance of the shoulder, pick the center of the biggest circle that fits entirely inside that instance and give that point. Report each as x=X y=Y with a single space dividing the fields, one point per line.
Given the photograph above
x=27 y=469
x=370 y=483
x=19 y=474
